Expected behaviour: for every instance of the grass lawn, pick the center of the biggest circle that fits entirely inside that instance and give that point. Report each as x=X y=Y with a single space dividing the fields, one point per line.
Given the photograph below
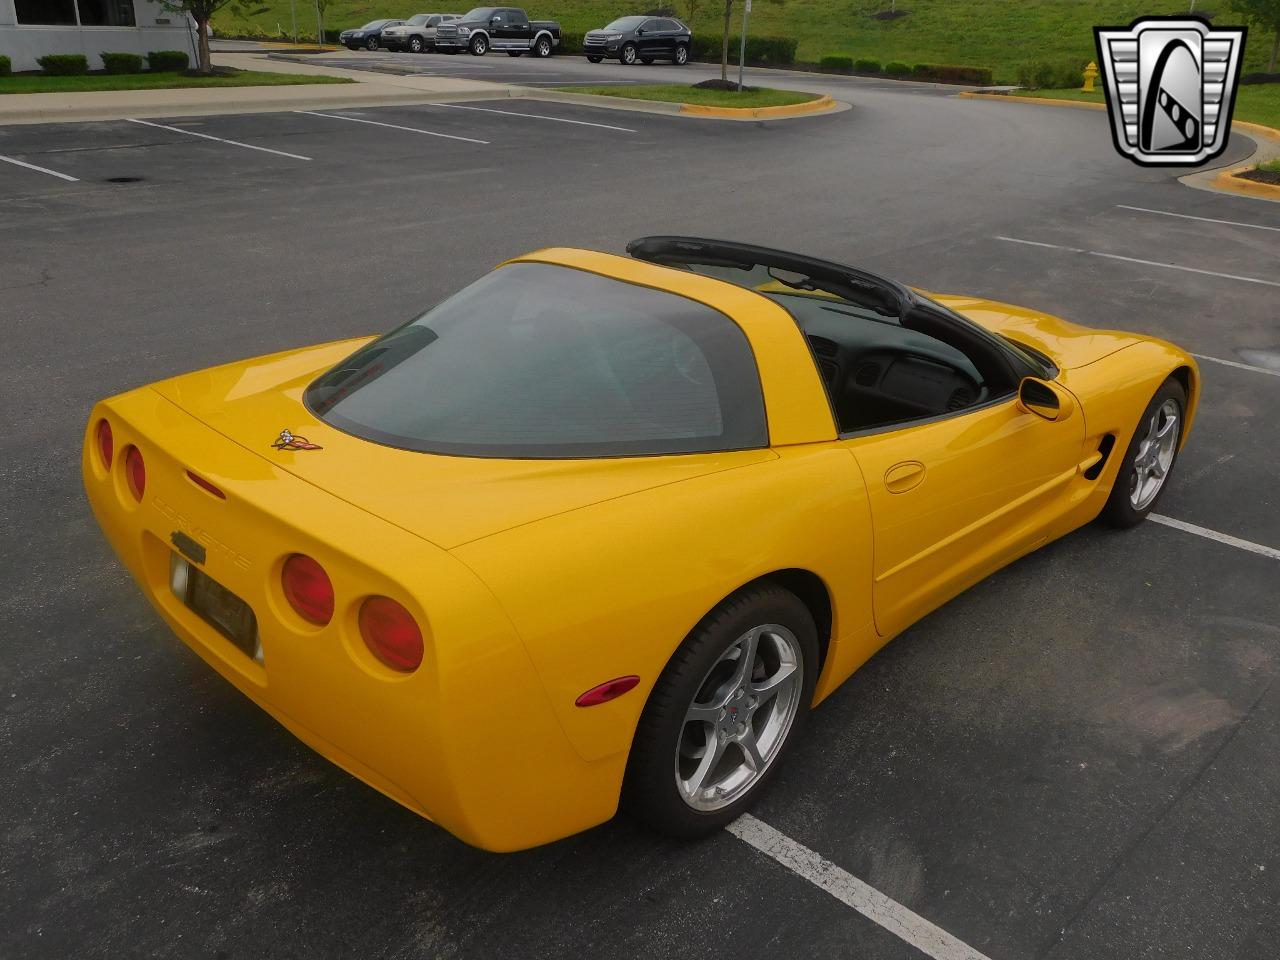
x=153 y=81
x=998 y=34
x=1271 y=166
x=679 y=93
x=1257 y=102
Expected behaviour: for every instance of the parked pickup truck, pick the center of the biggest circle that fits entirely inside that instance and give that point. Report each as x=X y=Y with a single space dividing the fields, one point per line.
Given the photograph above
x=498 y=28
x=417 y=34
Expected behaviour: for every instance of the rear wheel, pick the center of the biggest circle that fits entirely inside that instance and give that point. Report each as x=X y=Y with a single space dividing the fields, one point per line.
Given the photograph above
x=1147 y=463
x=479 y=46
x=732 y=699
x=417 y=45
x=628 y=55
x=542 y=49
x=595 y=59
x=682 y=55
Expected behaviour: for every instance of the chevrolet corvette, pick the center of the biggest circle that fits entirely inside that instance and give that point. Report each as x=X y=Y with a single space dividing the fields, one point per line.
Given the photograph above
x=599 y=531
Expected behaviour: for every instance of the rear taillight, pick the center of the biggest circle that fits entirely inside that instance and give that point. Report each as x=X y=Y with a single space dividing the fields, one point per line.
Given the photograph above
x=135 y=472
x=391 y=633
x=308 y=589
x=106 y=445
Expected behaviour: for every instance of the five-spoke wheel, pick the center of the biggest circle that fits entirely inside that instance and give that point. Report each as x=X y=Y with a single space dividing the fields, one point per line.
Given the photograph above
x=1149 y=459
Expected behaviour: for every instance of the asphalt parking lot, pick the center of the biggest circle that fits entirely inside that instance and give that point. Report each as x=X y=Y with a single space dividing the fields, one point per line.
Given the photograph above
x=1073 y=761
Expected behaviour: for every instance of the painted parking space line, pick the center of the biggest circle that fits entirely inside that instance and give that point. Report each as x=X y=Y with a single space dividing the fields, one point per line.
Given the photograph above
x=531 y=116
x=1145 y=263
x=394 y=126
x=206 y=136
x=1238 y=365
x=1225 y=538
x=929 y=939
x=32 y=166
x=1187 y=216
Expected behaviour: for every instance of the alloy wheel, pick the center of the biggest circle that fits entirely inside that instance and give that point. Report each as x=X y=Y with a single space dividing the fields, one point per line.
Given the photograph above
x=1155 y=455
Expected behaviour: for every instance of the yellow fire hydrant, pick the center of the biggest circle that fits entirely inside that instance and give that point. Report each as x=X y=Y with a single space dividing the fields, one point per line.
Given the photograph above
x=1090 y=75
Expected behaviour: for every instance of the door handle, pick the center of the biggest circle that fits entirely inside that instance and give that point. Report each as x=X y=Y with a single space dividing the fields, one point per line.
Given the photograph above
x=905 y=476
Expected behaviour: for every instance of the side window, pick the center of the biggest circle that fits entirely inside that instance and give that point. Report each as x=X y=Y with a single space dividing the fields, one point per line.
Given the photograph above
x=499 y=18
x=652 y=26
x=670 y=26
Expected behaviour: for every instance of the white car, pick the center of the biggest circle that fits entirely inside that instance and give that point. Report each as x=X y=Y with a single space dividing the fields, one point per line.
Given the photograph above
x=417 y=34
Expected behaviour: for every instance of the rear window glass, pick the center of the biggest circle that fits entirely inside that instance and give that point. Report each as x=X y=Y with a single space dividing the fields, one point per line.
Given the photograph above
x=542 y=361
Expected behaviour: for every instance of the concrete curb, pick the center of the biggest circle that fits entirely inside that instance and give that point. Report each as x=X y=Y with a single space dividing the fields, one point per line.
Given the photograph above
x=822 y=106
x=1215 y=179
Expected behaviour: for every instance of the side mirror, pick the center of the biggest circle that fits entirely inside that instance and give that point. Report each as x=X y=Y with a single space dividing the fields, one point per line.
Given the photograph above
x=639 y=31
x=494 y=21
x=1045 y=399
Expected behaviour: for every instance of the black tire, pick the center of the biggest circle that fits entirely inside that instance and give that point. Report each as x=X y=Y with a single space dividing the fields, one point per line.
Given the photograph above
x=371 y=44
x=1120 y=510
x=594 y=59
x=682 y=55
x=649 y=790
x=543 y=47
x=417 y=45
x=514 y=53
x=627 y=55
x=479 y=46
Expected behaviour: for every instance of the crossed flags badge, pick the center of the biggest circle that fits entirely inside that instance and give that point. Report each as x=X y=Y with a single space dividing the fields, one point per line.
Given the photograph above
x=1170 y=84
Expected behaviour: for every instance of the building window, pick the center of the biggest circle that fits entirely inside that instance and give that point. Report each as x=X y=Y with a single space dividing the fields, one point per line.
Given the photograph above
x=93 y=13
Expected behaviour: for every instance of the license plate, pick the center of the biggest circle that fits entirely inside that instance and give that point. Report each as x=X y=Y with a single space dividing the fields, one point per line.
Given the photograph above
x=216 y=605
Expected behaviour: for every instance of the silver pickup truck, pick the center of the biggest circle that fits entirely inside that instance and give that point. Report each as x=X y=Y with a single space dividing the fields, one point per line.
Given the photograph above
x=418 y=33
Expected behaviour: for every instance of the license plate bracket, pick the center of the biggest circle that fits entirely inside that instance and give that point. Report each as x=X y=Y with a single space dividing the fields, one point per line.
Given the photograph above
x=216 y=605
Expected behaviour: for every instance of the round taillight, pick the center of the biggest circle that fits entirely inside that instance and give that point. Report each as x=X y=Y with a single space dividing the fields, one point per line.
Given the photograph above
x=135 y=472
x=391 y=633
x=106 y=445
x=308 y=589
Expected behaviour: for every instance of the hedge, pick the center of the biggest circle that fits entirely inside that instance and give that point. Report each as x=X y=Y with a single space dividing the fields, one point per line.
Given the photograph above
x=761 y=51
x=836 y=65
x=167 y=61
x=6 y=66
x=866 y=66
x=1051 y=75
x=570 y=42
x=122 y=62
x=64 y=64
x=897 y=68
x=975 y=76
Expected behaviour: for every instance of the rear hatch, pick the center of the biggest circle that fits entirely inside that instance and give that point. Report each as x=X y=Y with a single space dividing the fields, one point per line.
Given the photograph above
x=447 y=500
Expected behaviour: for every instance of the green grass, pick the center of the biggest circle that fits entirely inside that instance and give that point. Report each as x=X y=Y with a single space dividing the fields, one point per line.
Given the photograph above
x=153 y=81
x=1270 y=166
x=1255 y=102
x=998 y=34
x=679 y=93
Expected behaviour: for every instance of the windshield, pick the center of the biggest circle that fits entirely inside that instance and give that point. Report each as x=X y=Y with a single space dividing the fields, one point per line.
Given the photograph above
x=374 y=24
x=479 y=13
x=542 y=361
x=418 y=19
x=623 y=24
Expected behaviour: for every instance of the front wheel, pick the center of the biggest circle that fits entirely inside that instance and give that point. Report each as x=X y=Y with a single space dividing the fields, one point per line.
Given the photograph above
x=479 y=46
x=682 y=55
x=417 y=45
x=1149 y=461
x=628 y=55
x=542 y=49
x=594 y=59
x=371 y=44
x=732 y=699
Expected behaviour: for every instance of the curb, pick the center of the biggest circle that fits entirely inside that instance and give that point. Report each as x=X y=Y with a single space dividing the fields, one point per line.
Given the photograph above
x=822 y=104
x=816 y=107
x=1215 y=179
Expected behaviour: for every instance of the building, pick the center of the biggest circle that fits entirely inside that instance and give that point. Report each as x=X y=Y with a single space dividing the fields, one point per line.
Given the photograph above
x=32 y=28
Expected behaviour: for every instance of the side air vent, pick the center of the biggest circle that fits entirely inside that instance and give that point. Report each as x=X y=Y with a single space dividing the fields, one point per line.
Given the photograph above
x=867 y=375
x=960 y=398
x=824 y=347
x=1105 y=446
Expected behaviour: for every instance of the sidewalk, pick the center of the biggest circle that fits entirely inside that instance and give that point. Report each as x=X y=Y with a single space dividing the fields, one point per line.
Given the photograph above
x=368 y=90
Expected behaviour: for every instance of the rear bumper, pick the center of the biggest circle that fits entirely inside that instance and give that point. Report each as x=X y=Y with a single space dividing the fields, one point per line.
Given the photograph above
x=469 y=740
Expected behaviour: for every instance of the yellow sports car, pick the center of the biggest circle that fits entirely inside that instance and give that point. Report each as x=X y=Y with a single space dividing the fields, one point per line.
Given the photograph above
x=601 y=529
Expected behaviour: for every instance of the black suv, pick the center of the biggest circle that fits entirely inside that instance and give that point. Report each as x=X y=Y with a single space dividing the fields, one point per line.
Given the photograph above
x=646 y=39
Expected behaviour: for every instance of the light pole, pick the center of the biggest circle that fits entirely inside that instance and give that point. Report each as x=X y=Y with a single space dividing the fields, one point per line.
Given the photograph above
x=742 y=50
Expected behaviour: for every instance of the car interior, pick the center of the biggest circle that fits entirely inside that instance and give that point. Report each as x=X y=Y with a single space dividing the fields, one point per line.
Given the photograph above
x=878 y=370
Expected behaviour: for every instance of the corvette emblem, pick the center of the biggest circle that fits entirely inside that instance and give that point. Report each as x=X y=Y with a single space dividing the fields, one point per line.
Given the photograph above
x=1170 y=87
x=287 y=441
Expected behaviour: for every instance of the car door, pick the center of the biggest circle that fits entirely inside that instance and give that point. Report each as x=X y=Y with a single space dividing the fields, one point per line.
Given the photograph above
x=650 y=40
x=670 y=31
x=956 y=497
x=519 y=31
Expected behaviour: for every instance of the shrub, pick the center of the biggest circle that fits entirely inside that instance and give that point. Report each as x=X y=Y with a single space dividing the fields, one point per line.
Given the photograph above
x=122 y=62
x=896 y=68
x=922 y=70
x=761 y=51
x=64 y=64
x=6 y=66
x=836 y=65
x=866 y=66
x=167 y=61
x=1051 y=75
x=975 y=76
x=570 y=42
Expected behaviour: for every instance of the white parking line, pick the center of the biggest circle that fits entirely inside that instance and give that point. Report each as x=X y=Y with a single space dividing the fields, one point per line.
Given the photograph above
x=1237 y=364
x=1147 y=263
x=1187 y=216
x=205 y=136
x=1226 y=538
x=393 y=126
x=531 y=116
x=929 y=939
x=32 y=166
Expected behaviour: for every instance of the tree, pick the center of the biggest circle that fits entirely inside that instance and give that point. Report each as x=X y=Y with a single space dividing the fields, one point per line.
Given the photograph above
x=1264 y=14
x=202 y=11
x=724 y=44
x=691 y=8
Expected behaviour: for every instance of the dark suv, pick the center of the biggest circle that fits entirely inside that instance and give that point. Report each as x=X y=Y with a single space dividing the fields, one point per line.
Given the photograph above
x=646 y=39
